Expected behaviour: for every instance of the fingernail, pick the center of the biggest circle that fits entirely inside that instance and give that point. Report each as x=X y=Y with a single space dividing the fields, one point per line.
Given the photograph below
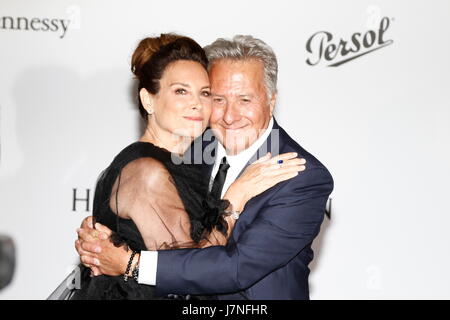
x=90 y=225
x=103 y=236
x=96 y=262
x=98 y=250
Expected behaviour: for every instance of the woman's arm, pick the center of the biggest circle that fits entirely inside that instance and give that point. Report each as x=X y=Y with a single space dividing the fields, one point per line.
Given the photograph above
x=145 y=193
x=260 y=176
x=142 y=195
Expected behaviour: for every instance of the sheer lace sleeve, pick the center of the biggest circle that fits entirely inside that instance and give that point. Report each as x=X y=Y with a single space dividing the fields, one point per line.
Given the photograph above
x=145 y=192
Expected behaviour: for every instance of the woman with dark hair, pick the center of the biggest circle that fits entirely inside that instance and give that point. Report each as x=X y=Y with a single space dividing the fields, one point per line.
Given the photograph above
x=146 y=197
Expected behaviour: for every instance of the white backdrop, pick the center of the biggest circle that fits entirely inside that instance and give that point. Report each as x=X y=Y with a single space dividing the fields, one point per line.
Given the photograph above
x=380 y=123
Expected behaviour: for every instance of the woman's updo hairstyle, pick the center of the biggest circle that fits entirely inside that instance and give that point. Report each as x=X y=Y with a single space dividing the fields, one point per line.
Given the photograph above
x=153 y=55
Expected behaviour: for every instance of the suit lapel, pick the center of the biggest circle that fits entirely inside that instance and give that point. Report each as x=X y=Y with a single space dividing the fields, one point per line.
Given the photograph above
x=272 y=144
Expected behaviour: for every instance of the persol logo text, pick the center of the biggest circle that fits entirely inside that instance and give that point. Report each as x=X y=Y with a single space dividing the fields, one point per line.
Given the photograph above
x=323 y=48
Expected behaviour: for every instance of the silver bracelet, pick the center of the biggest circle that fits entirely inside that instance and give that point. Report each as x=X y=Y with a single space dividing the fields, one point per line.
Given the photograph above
x=135 y=273
x=233 y=213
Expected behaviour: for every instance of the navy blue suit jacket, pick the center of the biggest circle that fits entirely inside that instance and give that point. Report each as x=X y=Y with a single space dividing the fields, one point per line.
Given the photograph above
x=269 y=250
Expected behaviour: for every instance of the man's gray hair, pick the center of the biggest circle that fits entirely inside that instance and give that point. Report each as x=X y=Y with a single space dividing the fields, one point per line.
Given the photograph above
x=243 y=47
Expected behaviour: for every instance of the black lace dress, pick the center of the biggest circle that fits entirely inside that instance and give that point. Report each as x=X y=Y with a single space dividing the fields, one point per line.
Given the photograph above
x=151 y=202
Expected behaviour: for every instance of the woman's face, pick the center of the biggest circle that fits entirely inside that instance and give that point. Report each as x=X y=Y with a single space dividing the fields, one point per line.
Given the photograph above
x=183 y=104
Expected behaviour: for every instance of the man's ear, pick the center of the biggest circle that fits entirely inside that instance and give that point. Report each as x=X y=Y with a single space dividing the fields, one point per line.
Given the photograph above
x=272 y=103
x=146 y=100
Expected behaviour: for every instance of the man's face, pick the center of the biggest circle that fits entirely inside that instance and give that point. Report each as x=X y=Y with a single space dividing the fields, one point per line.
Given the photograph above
x=240 y=106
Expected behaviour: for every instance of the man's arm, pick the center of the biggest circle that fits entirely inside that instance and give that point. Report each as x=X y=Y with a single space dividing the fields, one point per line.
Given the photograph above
x=290 y=221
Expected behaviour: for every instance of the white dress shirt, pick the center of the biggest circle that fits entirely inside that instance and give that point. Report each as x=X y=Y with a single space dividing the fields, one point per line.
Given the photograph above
x=149 y=259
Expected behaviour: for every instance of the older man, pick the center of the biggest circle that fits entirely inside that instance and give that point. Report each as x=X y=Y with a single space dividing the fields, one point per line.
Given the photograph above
x=268 y=253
